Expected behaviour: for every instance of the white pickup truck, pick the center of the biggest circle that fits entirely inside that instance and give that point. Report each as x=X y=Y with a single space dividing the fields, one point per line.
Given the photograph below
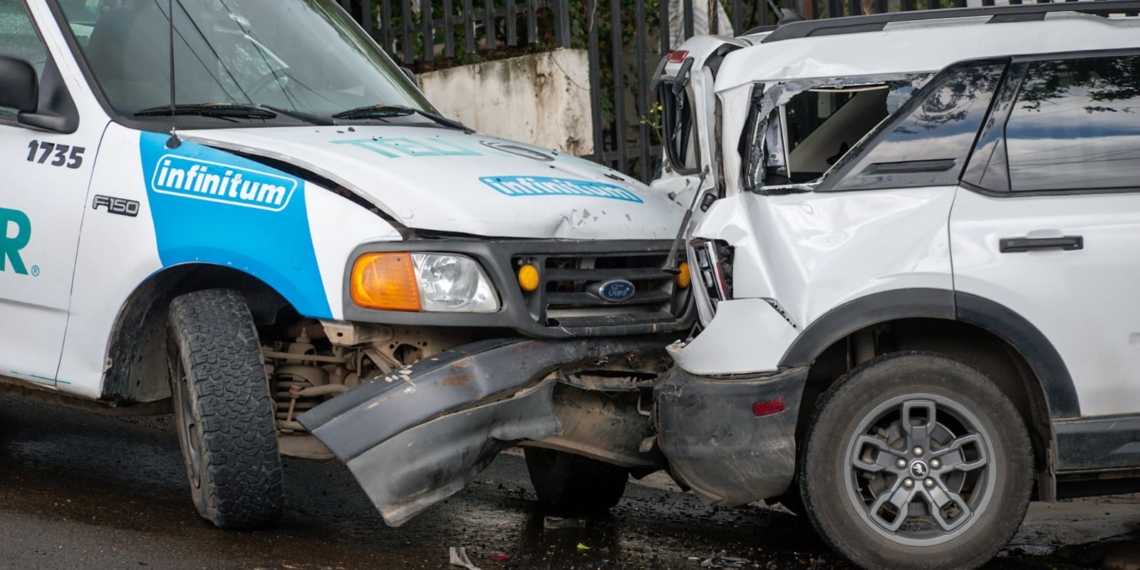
x=289 y=203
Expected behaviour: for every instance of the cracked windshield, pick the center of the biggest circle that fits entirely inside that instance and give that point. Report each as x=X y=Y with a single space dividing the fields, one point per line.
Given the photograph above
x=296 y=57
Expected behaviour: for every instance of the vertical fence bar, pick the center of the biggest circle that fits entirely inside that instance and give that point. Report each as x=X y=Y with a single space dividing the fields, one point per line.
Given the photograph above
x=933 y=4
x=427 y=17
x=643 y=141
x=687 y=16
x=664 y=27
x=511 y=22
x=881 y=6
x=531 y=22
x=736 y=18
x=366 y=18
x=448 y=30
x=562 y=23
x=347 y=5
x=908 y=5
x=595 y=82
x=620 y=128
x=409 y=49
x=853 y=8
x=386 y=27
x=469 y=26
x=489 y=23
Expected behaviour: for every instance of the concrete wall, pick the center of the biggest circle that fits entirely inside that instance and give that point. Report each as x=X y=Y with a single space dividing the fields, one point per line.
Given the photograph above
x=541 y=99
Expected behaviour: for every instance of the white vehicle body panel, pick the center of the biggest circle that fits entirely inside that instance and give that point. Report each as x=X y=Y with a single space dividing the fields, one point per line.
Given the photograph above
x=1083 y=301
x=49 y=199
x=813 y=252
x=444 y=180
x=766 y=331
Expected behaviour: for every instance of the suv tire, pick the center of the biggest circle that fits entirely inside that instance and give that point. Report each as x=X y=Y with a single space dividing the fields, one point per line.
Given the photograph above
x=222 y=410
x=572 y=483
x=859 y=460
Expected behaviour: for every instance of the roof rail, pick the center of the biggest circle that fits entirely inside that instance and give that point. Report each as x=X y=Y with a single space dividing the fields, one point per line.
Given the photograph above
x=1011 y=13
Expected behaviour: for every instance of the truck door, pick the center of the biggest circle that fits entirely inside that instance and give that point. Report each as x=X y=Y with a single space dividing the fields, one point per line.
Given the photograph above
x=1048 y=223
x=42 y=196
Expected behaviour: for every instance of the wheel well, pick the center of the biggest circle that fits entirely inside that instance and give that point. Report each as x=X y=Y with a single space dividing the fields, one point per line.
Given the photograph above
x=973 y=345
x=136 y=361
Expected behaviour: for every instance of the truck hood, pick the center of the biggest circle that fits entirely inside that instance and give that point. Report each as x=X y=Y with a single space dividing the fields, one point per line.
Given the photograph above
x=438 y=179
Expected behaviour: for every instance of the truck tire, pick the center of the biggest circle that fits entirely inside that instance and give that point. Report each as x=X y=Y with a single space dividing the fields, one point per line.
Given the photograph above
x=573 y=483
x=222 y=410
x=924 y=432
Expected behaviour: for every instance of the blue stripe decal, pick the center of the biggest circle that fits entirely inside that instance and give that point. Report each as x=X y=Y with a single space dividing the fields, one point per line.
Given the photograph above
x=210 y=206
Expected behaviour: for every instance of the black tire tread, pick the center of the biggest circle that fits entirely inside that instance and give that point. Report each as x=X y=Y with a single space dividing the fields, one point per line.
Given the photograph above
x=214 y=334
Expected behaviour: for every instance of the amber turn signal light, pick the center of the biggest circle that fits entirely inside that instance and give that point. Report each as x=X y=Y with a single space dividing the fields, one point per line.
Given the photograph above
x=385 y=281
x=528 y=278
x=684 y=278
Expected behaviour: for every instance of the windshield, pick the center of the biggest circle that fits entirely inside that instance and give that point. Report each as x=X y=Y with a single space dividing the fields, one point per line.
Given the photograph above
x=303 y=56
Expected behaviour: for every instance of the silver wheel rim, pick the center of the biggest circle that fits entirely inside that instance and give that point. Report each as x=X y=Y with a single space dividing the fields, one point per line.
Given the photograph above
x=920 y=469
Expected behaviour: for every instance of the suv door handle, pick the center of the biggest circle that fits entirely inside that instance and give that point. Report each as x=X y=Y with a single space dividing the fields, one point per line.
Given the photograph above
x=1022 y=244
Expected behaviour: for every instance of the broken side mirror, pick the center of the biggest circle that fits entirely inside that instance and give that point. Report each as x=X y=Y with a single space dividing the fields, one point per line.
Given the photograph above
x=19 y=88
x=408 y=73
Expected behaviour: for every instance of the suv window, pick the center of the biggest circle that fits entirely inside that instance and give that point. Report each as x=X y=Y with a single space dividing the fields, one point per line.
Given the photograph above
x=1076 y=125
x=929 y=144
x=18 y=36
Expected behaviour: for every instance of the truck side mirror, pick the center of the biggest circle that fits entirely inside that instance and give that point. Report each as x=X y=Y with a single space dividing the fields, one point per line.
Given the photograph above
x=19 y=89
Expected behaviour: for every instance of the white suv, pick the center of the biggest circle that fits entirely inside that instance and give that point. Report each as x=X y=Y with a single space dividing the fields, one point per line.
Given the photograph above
x=917 y=241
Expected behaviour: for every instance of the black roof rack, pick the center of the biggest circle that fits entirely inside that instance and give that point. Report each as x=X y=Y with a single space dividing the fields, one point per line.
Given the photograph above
x=1012 y=13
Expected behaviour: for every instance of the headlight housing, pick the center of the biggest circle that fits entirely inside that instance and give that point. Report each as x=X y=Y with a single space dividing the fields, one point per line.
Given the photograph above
x=431 y=282
x=453 y=284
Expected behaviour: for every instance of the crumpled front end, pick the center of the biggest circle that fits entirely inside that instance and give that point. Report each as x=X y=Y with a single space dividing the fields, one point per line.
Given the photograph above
x=420 y=434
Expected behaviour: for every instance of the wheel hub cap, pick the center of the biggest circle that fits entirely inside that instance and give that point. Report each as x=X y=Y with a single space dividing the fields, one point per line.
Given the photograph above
x=919 y=470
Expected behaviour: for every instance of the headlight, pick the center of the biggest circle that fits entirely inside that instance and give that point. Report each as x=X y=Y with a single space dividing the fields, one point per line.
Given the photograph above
x=453 y=284
x=433 y=282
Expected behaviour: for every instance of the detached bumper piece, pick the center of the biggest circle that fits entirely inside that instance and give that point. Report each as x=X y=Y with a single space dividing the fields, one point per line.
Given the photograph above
x=731 y=440
x=420 y=434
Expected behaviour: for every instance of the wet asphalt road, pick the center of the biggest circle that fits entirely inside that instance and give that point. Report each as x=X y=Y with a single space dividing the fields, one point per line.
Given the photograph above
x=79 y=490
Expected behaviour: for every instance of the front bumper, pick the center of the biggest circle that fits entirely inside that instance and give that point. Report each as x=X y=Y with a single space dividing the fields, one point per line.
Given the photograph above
x=421 y=433
x=715 y=443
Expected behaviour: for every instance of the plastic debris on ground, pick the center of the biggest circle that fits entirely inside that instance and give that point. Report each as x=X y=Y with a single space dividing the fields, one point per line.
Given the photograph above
x=556 y=523
x=459 y=558
x=582 y=547
x=721 y=560
x=499 y=558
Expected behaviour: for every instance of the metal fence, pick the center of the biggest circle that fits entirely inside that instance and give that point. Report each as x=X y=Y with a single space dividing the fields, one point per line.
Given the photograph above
x=625 y=40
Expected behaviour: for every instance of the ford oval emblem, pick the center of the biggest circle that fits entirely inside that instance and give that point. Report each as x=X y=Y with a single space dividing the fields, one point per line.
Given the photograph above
x=617 y=290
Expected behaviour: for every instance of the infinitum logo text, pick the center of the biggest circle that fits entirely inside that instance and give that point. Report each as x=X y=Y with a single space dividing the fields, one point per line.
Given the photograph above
x=222 y=183
x=544 y=186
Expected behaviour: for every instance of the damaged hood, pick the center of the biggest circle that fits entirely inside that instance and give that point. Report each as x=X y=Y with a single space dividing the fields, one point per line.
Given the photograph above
x=446 y=180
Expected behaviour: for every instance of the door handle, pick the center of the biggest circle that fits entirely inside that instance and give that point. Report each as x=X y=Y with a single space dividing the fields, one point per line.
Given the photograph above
x=1022 y=244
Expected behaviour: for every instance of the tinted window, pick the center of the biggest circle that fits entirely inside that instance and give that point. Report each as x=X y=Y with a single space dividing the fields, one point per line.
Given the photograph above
x=1076 y=125
x=18 y=35
x=929 y=146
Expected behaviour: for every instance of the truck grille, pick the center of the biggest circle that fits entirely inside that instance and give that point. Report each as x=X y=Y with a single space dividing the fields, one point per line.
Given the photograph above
x=569 y=289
